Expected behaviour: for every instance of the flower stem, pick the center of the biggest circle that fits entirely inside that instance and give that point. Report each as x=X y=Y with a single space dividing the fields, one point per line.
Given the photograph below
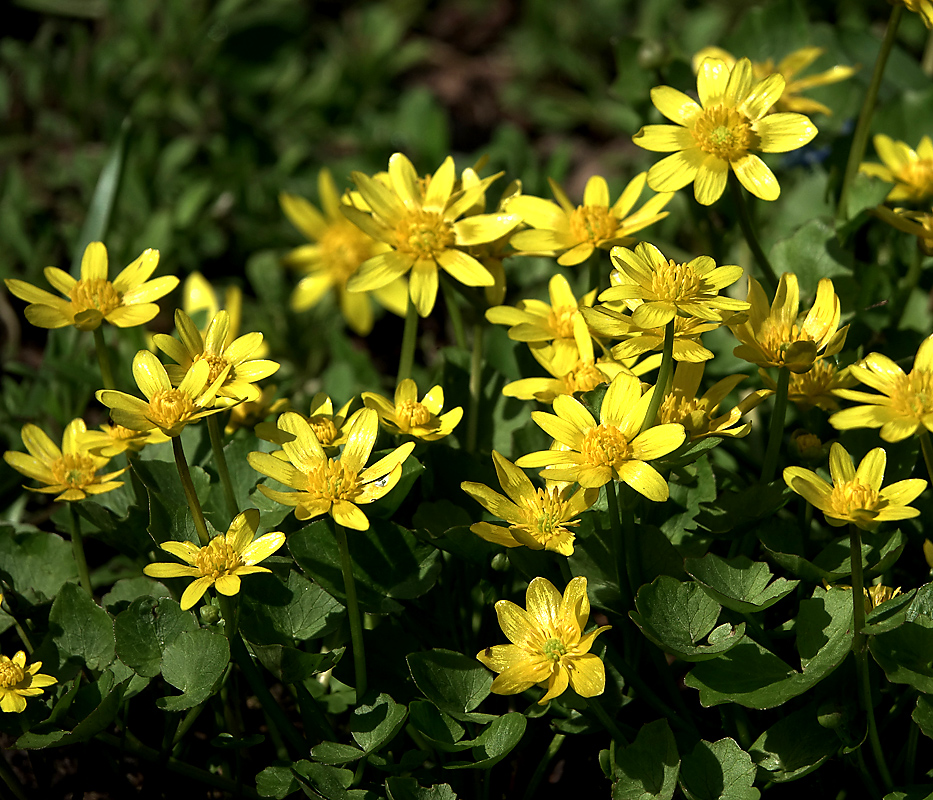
x=596 y=707
x=927 y=447
x=103 y=358
x=748 y=231
x=77 y=548
x=664 y=377
x=860 y=650
x=230 y=613
x=453 y=311
x=860 y=137
x=476 y=386
x=776 y=433
x=409 y=338
x=217 y=446
x=926 y=62
x=353 y=611
x=546 y=759
x=617 y=545
x=194 y=505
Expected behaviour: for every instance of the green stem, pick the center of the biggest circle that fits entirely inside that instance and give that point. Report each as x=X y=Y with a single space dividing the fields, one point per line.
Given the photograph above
x=476 y=386
x=617 y=545
x=664 y=377
x=312 y=717
x=230 y=612
x=594 y=705
x=776 y=433
x=546 y=759
x=926 y=63
x=194 y=505
x=594 y=272
x=189 y=720
x=860 y=137
x=353 y=611
x=409 y=339
x=103 y=359
x=748 y=231
x=860 y=649
x=453 y=311
x=139 y=489
x=77 y=548
x=927 y=447
x=220 y=460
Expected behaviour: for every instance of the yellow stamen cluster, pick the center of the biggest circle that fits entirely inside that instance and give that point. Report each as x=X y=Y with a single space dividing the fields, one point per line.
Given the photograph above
x=560 y=321
x=676 y=407
x=11 y=674
x=545 y=515
x=852 y=496
x=171 y=406
x=554 y=649
x=918 y=176
x=725 y=133
x=217 y=559
x=324 y=429
x=333 y=481
x=676 y=282
x=424 y=234
x=73 y=470
x=592 y=224
x=343 y=248
x=94 y=295
x=912 y=395
x=410 y=413
x=217 y=364
x=605 y=445
x=584 y=377
x=777 y=337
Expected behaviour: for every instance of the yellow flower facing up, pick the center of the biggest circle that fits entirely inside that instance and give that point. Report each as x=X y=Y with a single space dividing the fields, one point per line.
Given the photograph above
x=816 y=388
x=574 y=232
x=615 y=448
x=720 y=132
x=215 y=349
x=330 y=427
x=657 y=289
x=905 y=405
x=856 y=495
x=548 y=645
x=420 y=220
x=125 y=302
x=408 y=415
x=329 y=485
x=916 y=223
x=911 y=171
x=222 y=561
x=166 y=407
x=772 y=336
x=788 y=67
x=17 y=682
x=537 y=518
x=696 y=413
x=70 y=472
x=338 y=248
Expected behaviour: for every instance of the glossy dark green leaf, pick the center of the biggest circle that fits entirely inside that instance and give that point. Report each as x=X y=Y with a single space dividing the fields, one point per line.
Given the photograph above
x=146 y=628
x=793 y=747
x=408 y=789
x=455 y=683
x=495 y=742
x=373 y=726
x=80 y=628
x=647 y=769
x=718 y=771
x=277 y=782
x=440 y=729
x=194 y=663
x=291 y=665
x=923 y=714
x=170 y=519
x=893 y=613
x=277 y=611
x=36 y=564
x=336 y=753
x=126 y=590
x=812 y=253
x=906 y=653
x=739 y=583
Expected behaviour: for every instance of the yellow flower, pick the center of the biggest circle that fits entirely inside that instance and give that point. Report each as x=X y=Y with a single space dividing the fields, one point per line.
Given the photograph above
x=70 y=472
x=856 y=495
x=17 y=682
x=330 y=428
x=536 y=321
x=167 y=408
x=788 y=67
x=328 y=485
x=905 y=405
x=548 y=644
x=613 y=449
x=215 y=349
x=420 y=221
x=816 y=387
x=773 y=337
x=576 y=231
x=125 y=302
x=338 y=249
x=916 y=223
x=250 y=414
x=922 y=7
x=537 y=518
x=911 y=171
x=410 y=416
x=696 y=414
x=222 y=561
x=720 y=131
x=113 y=439
x=656 y=289
x=878 y=594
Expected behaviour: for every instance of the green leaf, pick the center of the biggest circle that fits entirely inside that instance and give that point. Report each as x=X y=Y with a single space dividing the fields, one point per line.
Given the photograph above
x=754 y=677
x=375 y=725
x=733 y=510
x=647 y=769
x=739 y=583
x=793 y=747
x=170 y=519
x=906 y=653
x=126 y=590
x=330 y=782
x=336 y=753
x=279 y=612
x=194 y=663
x=455 y=683
x=718 y=771
x=277 y=782
x=35 y=564
x=676 y=616
x=592 y=559
x=812 y=253
x=80 y=628
x=389 y=563
x=442 y=730
x=921 y=792
x=291 y=665
x=694 y=484
x=494 y=743
x=893 y=613
x=146 y=628
x=923 y=714
x=408 y=789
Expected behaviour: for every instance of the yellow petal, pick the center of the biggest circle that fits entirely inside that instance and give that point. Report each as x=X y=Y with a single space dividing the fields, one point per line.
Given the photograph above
x=785 y=131
x=676 y=106
x=710 y=181
x=756 y=177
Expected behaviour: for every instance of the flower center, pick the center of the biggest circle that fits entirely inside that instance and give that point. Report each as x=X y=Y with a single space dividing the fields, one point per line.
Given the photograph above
x=96 y=295
x=121 y=433
x=217 y=559
x=676 y=282
x=332 y=481
x=73 y=471
x=217 y=364
x=11 y=674
x=918 y=176
x=324 y=429
x=168 y=407
x=775 y=337
x=554 y=649
x=689 y=412
x=605 y=446
x=343 y=248
x=853 y=496
x=544 y=515
x=817 y=384
x=424 y=234
x=808 y=445
x=584 y=377
x=912 y=395
x=724 y=132
x=411 y=413
x=592 y=224
x=560 y=321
